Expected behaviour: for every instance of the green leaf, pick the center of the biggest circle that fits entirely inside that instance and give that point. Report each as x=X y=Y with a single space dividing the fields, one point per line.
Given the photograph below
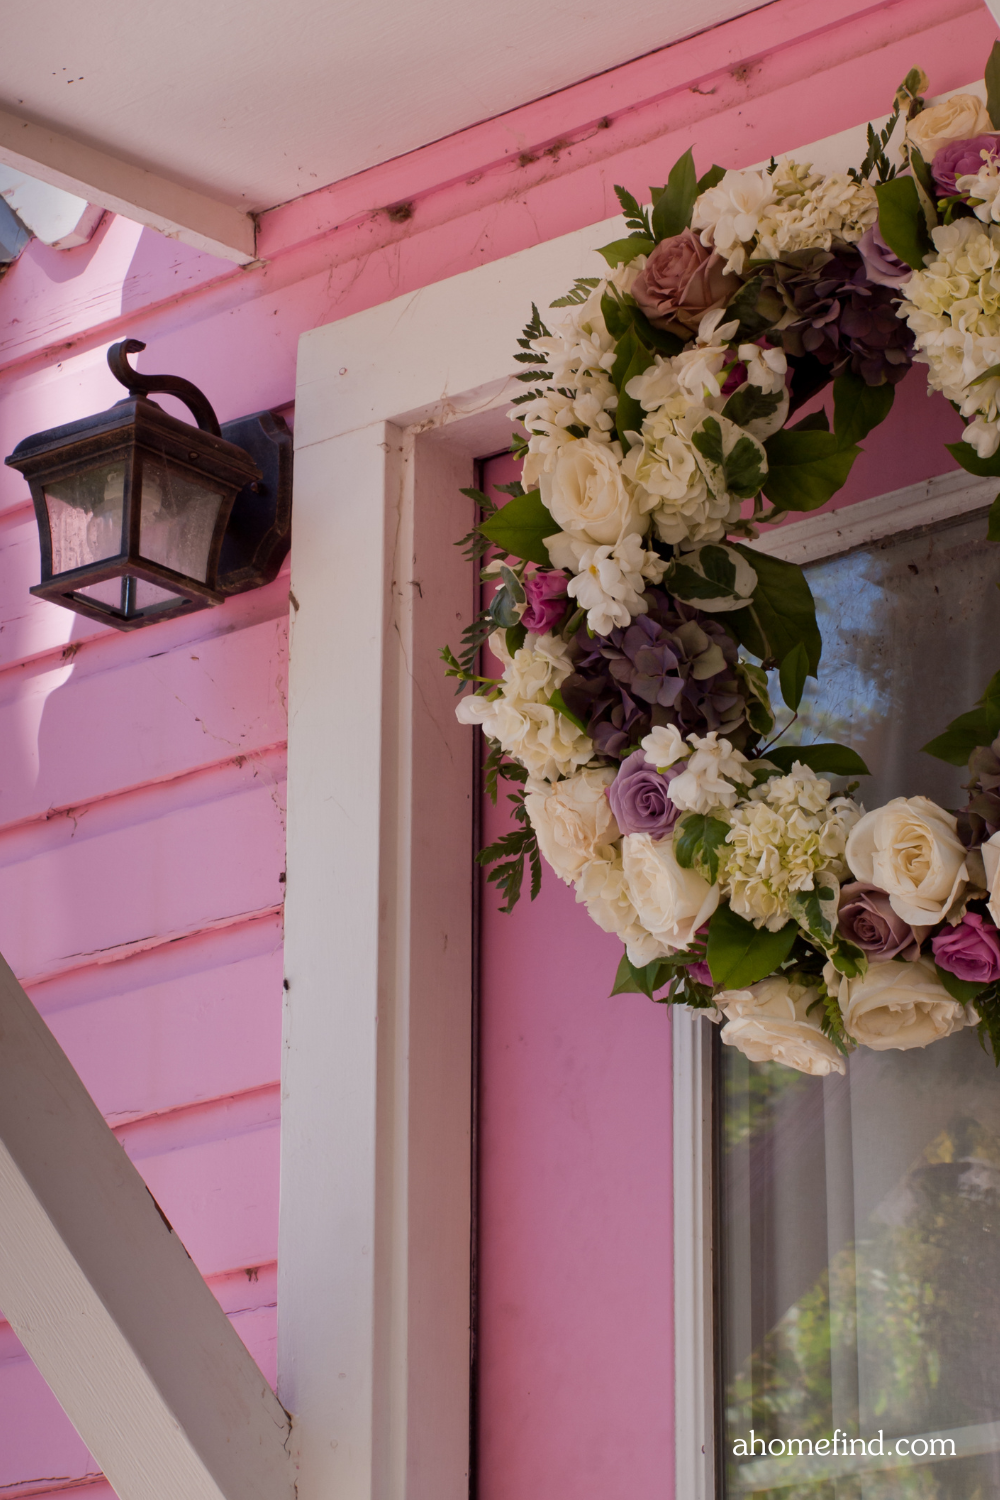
x=713 y=176
x=672 y=213
x=925 y=180
x=740 y=954
x=993 y=527
x=964 y=454
x=993 y=85
x=751 y=404
x=783 y=611
x=629 y=415
x=825 y=759
x=961 y=990
x=816 y=421
x=558 y=703
x=758 y=701
x=804 y=468
x=617 y=316
x=792 y=675
x=636 y=217
x=515 y=637
x=978 y=727
x=757 y=307
x=621 y=252
x=656 y=338
x=858 y=407
x=632 y=981
x=901 y=220
x=519 y=527
x=848 y=959
x=816 y=911
x=742 y=470
x=698 y=844
x=989 y=374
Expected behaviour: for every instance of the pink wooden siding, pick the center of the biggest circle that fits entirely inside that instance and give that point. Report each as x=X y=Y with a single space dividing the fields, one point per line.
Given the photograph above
x=141 y=777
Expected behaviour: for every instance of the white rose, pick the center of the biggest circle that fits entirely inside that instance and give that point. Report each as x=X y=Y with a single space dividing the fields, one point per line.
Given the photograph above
x=991 y=859
x=586 y=495
x=573 y=821
x=958 y=119
x=706 y=782
x=910 y=849
x=671 y=902
x=546 y=743
x=770 y=1022
x=899 y=1006
x=602 y=888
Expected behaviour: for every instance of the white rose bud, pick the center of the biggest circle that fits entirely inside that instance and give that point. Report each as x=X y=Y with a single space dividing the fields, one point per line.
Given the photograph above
x=910 y=849
x=671 y=902
x=574 y=821
x=586 y=495
x=898 y=1006
x=770 y=1022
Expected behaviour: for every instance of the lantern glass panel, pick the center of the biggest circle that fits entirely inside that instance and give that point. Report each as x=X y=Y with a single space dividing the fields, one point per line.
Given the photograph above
x=127 y=595
x=178 y=519
x=85 y=516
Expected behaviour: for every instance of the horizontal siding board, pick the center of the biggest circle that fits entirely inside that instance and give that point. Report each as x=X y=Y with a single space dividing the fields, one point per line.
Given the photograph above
x=39 y=1447
x=147 y=720
x=89 y=890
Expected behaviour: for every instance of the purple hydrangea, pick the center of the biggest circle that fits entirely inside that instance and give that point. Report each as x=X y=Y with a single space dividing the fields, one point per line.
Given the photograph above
x=639 y=797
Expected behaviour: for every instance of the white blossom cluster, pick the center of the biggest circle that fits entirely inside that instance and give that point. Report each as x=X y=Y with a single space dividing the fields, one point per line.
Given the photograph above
x=781 y=835
x=953 y=307
x=605 y=500
x=754 y=215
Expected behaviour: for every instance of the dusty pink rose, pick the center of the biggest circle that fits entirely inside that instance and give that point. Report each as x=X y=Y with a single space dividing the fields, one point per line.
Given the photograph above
x=682 y=281
x=970 y=950
x=546 y=594
x=961 y=159
x=868 y=921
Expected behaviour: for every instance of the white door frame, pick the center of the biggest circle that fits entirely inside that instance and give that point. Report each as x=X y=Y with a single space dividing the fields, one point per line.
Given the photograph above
x=394 y=405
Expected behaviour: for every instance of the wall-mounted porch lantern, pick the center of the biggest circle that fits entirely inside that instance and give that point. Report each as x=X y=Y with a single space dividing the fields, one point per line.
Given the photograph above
x=142 y=517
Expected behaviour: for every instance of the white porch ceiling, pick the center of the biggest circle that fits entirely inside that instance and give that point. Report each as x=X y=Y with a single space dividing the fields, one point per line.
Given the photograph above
x=245 y=105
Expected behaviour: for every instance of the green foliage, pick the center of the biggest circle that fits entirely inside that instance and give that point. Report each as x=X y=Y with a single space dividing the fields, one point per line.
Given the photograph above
x=753 y=680
x=901 y=221
x=964 y=454
x=782 y=612
x=636 y=217
x=581 y=290
x=959 y=989
x=758 y=307
x=557 y=702
x=751 y=404
x=993 y=85
x=825 y=760
x=740 y=954
x=474 y=544
x=875 y=158
x=698 y=842
x=620 y=252
x=978 y=727
x=740 y=469
x=512 y=850
x=988 y=1010
x=519 y=527
x=631 y=358
x=816 y=912
x=672 y=210
x=792 y=675
x=858 y=407
x=805 y=467
x=631 y=980
x=713 y=176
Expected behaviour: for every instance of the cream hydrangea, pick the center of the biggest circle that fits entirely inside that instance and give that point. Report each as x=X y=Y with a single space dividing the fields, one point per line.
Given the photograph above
x=953 y=307
x=813 y=210
x=603 y=889
x=519 y=716
x=781 y=836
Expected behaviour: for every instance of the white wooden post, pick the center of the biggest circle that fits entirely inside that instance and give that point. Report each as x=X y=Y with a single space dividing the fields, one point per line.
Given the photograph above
x=107 y=1301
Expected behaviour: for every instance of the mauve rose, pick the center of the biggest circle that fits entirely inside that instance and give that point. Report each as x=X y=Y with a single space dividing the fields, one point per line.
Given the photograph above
x=970 y=950
x=638 y=797
x=546 y=594
x=682 y=281
x=882 y=266
x=701 y=973
x=961 y=159
x=867 y=920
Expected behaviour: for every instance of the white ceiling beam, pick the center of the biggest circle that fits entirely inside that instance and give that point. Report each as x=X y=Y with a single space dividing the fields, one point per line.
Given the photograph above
x=126 y=189
x=108 y=1303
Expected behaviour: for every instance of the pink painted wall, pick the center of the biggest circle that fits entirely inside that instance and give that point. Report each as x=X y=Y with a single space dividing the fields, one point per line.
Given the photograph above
x=141 y=832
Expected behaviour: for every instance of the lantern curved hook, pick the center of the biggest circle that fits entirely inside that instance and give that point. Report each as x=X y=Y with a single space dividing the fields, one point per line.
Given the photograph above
x=174 y=385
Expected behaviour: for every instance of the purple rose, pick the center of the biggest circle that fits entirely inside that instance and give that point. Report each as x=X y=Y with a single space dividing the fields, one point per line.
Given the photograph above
x=546 y=593
x=868 y=921
x=960 y=159
x=882 y=266
x=970 y=950
x=682 y=281
x=701 y=973
x=638 y=797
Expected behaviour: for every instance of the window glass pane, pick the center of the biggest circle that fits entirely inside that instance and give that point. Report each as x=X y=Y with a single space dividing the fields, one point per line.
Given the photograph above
x=85 y=517
x=860 y=1216
x=178 y=519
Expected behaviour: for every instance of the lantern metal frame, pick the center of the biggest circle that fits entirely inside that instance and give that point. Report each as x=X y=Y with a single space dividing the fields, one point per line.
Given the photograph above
x=249 y=460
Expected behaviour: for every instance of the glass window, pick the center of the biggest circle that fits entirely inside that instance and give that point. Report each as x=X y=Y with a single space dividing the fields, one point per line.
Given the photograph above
x=859 y=1264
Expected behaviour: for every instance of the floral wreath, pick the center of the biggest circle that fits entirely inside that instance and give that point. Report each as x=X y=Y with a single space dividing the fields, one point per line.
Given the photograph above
x=656 y=433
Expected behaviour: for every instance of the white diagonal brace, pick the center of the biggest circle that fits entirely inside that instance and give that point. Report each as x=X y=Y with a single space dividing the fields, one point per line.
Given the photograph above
x=107 y=1301
x=126 y=189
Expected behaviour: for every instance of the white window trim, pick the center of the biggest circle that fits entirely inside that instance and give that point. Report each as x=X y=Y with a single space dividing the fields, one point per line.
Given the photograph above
x=943 y=498
x=393 y=407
